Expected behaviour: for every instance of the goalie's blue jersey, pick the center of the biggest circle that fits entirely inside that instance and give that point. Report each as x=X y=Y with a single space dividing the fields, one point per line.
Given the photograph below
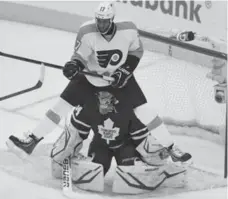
x=112 y=129
x=104 y=55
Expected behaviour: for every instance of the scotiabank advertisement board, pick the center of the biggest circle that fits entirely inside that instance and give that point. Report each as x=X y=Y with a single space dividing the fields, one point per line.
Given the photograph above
x=204 y=17
x=208 y=18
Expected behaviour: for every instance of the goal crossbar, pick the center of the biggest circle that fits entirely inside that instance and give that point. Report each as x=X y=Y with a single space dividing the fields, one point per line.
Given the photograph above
x=183 y=45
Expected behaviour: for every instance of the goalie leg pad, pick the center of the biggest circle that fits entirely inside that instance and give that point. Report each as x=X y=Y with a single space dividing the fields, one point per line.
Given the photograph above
x=56 y=169
x=140 y=179
x=152 y=152
x=87 y=175
x=175 y=173
x=68 y=144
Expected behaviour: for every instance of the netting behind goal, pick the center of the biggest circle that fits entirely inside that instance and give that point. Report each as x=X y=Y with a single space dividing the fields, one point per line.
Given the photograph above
x=180 y=91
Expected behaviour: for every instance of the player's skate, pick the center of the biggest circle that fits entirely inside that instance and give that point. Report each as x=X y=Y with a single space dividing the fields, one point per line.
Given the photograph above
x=177 y=155
x=23 y=147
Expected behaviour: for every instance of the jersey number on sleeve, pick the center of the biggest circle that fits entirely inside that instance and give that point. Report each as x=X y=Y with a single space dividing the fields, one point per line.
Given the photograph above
x=112 y=57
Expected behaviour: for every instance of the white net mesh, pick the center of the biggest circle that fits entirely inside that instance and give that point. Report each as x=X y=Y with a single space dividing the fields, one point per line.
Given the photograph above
x=180 y=91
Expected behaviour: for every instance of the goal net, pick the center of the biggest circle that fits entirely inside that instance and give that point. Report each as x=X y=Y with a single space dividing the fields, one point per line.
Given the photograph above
x=179 y=87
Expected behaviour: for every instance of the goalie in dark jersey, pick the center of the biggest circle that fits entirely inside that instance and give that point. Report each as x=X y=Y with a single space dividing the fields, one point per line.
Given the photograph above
x=118 y=133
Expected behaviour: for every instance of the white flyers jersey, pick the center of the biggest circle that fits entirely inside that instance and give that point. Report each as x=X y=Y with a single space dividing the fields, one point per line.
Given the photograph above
x=102 y=55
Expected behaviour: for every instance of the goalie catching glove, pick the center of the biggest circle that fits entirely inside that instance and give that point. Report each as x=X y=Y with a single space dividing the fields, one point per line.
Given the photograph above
x=72 y=68
x=124 y=72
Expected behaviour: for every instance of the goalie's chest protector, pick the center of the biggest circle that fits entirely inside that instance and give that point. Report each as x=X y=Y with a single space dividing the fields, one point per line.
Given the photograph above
x=103 y=55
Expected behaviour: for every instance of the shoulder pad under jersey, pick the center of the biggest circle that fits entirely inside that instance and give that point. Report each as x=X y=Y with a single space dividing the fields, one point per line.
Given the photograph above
x=86 y=28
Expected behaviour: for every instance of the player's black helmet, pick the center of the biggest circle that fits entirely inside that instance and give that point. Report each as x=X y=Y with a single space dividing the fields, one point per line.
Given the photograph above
x=104 y=16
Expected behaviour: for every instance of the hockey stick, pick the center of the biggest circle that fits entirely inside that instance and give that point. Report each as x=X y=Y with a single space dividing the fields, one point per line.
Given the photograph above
x=37 y=85
x=104 y=77
x=34 y=61
x=107 y=78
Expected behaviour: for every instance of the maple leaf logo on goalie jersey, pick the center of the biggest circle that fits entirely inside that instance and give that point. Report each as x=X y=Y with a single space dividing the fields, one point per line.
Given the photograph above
x=102 y=55
x=107 y=131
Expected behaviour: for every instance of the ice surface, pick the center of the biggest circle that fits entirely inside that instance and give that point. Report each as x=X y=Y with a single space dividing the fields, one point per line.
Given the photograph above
x=32 y=180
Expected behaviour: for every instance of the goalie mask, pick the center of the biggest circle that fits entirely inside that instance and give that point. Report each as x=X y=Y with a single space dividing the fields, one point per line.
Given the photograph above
x=106 y=102
x=104 y=16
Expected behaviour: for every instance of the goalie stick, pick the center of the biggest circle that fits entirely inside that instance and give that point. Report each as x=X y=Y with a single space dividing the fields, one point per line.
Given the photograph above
x=66 y=179
x=37 y=86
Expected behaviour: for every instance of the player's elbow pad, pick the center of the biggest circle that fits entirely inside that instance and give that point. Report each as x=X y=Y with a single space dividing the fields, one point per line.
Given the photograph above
x=131 y=63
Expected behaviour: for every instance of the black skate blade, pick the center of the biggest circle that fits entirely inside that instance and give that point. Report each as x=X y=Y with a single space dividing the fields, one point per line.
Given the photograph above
x=16 y=150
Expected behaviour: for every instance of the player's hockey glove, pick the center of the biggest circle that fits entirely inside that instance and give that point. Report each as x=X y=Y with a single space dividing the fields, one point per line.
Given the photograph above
x=124 y=72
x=186 y=36
x=72 y=68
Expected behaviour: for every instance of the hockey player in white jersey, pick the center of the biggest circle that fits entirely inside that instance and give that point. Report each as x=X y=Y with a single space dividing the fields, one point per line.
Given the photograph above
x=110 y=48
